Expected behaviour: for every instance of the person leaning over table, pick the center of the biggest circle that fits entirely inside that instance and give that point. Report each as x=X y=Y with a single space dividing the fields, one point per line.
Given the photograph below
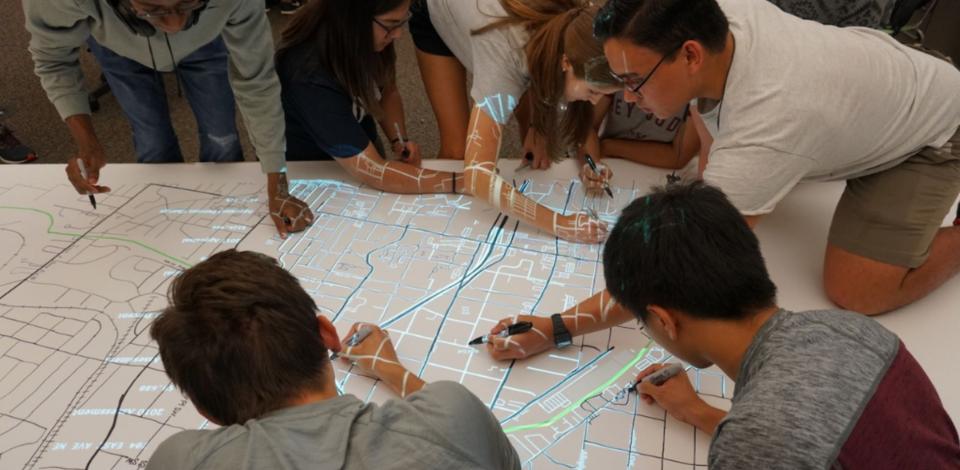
x=135 y=40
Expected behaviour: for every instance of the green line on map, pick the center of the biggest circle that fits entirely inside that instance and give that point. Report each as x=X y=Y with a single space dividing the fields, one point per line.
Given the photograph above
x=95 y=236
x=639 y=357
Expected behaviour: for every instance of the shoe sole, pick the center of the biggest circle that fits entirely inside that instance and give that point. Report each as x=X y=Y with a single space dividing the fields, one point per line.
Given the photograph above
x=17 y=162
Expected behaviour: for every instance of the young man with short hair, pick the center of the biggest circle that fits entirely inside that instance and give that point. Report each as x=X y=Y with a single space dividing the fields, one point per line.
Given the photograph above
x=816 y=389
x=788 y=100
x=243 y=341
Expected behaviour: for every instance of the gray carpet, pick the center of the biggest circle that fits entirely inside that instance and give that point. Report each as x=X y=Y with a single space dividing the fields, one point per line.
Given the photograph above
x=36 y=123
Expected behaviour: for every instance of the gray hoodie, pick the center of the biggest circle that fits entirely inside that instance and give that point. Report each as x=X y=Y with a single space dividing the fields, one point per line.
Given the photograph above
x=60 y=28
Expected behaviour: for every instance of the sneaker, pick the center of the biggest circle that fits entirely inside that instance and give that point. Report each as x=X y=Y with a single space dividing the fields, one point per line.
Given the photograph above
x=11 y=150
x=289 y=8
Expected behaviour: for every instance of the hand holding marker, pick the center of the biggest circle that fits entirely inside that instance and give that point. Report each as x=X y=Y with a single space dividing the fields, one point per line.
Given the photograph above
x=403 y=144
x=514 y=329
x=83 y=174
x=356 y=339
x=593 y=167
x=659 y=377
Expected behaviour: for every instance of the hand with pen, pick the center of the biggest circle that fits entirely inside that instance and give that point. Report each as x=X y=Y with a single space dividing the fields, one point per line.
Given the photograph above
x=595 y=177
x=370 y=349
x=537 y=339
x=675 y=394
x=405 y=149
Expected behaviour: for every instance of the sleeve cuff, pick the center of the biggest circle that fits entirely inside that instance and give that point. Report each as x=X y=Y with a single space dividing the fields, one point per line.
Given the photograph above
x=273 y=162
x=72 y=104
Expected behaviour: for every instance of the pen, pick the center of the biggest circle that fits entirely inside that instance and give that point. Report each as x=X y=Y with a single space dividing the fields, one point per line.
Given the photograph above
x=593 y=166
x=526 y=162
x=355 y=339
x=83 y=174
x=405 y=153
x=514 y=329
x=659 y=377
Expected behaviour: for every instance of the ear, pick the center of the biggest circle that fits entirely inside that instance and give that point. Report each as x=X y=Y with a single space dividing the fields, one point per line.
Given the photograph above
x=665 y=319
x=565 y=63
x=693 y=54
x=328 y=333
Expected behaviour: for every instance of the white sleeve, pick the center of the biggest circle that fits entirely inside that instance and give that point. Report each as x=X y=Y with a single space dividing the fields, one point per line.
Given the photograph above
x=755 y=178
x=499 y=75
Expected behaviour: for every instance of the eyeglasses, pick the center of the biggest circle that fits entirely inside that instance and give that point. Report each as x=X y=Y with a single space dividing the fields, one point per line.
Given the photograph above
x=398 y=25
x=628 y=82
x=185 y=6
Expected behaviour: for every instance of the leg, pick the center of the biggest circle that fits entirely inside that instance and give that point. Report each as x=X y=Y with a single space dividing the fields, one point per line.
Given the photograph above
x=872 y=287
x=140 y=93
x=205 y=81
x=445 y=79
x=886 y=246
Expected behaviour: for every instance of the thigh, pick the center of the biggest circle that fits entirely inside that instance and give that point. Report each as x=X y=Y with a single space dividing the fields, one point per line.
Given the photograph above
x=207 y=84
x=445 y=80
x=140 y=93
x=893 y=216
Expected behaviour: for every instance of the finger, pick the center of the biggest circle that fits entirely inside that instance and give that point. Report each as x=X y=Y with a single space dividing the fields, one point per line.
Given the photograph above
x=647 y=399
x=81 y=185
x=649 y=370
x=353 y=329
x=93 y=169
x=101 y=189
x=281 y=226
x=308 y=215
x=501 y=325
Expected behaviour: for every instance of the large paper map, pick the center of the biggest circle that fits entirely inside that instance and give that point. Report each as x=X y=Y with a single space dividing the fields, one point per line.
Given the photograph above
x=82 y=386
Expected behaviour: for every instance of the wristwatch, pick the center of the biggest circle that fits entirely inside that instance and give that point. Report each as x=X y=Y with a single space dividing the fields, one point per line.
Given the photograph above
x=561 y=335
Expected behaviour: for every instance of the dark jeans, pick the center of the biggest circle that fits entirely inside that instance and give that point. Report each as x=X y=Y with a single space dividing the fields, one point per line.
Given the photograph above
x=141 y=95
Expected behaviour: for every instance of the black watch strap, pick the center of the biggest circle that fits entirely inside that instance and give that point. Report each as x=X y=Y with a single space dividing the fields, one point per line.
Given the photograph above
x=561 y=335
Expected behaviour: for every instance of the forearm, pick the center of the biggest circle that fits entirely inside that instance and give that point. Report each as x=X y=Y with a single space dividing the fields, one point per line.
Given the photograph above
x=399 y=379
x=655 y=154
x=400 y=177
x=591 y=147
x=81 y=129
x=705 y=417
x=599 y=312
x=482 y=181
x=393 y=119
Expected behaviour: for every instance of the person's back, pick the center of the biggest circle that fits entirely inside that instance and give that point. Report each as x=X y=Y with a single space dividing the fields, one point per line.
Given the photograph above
x=242 y=340
x=441 y=426
x=832 y=389
x=820 y=102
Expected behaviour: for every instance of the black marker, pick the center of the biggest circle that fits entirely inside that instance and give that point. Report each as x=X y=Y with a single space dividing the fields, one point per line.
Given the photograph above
x=405 y=154
x=659 y=377
x=83 y=174
x=514 y=329
x=593 y=166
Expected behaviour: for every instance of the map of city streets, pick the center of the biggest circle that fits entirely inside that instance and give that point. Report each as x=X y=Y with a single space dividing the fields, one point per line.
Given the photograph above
x=82 y=386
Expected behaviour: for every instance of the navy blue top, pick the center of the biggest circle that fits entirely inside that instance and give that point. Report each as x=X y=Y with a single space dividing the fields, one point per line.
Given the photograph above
x=323 y=121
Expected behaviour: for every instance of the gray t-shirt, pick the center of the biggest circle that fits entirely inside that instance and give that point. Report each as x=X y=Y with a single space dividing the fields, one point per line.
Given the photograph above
x=627 y=121
x=442 y=426
x=805 y=101
x=802 y=385
x=496 y=58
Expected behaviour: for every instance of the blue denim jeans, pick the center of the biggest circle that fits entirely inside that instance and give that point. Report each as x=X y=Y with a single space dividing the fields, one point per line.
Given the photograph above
x=141 y=95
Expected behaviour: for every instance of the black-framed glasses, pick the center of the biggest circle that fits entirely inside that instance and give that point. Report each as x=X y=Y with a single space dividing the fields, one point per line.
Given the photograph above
x=185 y=6
x=635 y=89
x=391 y=29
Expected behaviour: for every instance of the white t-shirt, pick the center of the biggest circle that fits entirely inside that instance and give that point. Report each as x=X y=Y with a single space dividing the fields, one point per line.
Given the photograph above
x=805 y=101
x=495 y=58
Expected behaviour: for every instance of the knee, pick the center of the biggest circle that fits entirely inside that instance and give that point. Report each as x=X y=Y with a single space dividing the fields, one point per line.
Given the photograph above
x=855 y=295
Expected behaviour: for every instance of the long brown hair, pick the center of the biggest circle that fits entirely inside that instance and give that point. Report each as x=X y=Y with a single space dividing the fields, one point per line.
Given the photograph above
x=556 y=28
x=339 y=35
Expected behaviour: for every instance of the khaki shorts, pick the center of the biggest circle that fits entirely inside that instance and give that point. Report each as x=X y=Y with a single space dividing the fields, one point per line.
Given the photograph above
x=893 y=216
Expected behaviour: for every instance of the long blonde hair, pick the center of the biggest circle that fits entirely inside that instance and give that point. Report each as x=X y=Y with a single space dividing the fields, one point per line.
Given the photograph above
x=556 y=28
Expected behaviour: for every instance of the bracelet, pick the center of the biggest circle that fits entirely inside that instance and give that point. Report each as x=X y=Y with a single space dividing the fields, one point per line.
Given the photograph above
x=454 y=176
